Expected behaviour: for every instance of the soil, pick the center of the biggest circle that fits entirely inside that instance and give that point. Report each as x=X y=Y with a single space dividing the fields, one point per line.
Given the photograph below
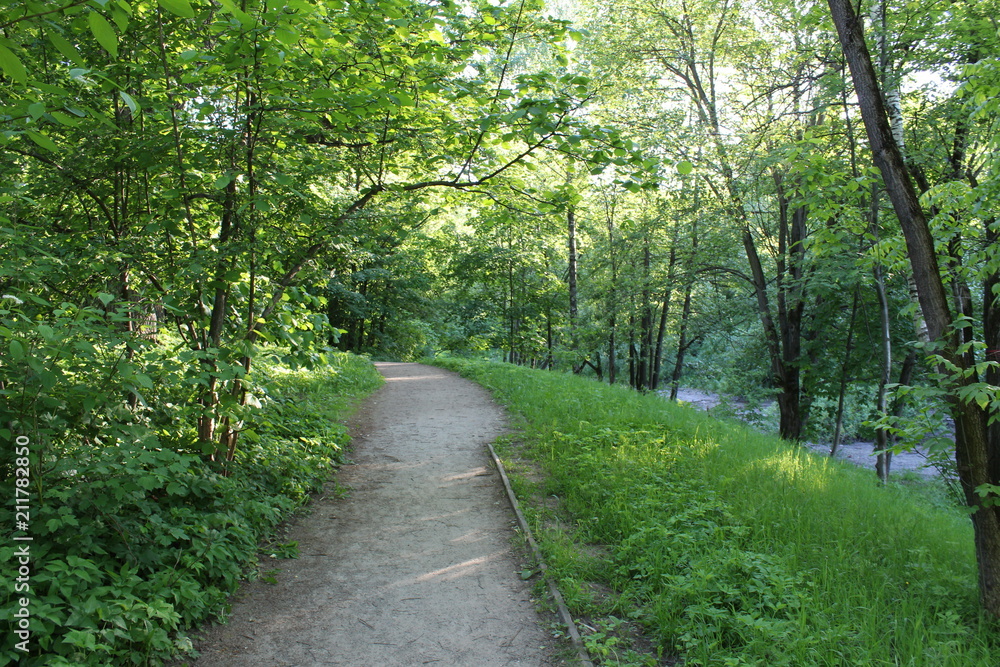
x=417 y=565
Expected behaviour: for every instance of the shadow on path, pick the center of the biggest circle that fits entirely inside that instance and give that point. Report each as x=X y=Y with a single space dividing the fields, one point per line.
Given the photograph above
x=415 y=566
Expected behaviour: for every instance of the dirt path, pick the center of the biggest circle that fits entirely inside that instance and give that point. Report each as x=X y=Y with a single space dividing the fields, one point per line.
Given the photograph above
x=415 y=566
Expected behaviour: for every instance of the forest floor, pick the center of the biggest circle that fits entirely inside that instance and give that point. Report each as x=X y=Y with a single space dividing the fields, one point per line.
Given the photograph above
x=408 y=558
x=860 y=453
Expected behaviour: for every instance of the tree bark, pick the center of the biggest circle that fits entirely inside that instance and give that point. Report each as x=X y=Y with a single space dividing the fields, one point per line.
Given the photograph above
x=682 y=343
x=571 y=278
x=645 y=364
x=571 y=283
x=883 y=457
x=612 y=301
x=972 y=452
x=991 y=334
x=661 y=330
x=631 y=352
x=843 y=377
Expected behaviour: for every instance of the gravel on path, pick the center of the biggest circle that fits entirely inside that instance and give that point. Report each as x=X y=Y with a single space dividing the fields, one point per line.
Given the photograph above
x=416 y=565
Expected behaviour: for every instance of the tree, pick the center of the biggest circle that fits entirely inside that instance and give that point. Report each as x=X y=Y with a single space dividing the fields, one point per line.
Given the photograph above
x=691 y=45
x=226 y=151
x=977 y=457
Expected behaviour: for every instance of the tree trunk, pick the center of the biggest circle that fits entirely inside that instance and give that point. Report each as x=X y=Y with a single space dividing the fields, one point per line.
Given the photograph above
x=654 y=378
x=571 y=283
x=976 y=462
x=612 y=301
x=631 y=352
x=991 y=335
x=682 y=344
x=549 y=340
x=645 y=324
x=791 y=307
x=511 y=331
x=654 y=374
x=883 y=457
x=571 y=279
x=612 y=356
x=843 y=377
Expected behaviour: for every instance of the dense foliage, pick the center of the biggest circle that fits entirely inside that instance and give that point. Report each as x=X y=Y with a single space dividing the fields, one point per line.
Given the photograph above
x=214 y=169
x=186 y=188
x=823 y=240
x=647 y=192
x=138 y=541
x=726 y=546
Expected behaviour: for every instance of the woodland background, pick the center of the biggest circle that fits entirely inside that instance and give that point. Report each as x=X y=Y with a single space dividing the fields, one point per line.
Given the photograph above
x=195 y=194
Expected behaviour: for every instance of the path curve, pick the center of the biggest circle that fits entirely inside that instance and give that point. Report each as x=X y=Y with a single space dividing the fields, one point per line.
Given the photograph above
x=416 y=565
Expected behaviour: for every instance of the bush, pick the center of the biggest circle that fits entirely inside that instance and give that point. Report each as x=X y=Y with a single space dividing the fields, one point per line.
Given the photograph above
x=134 y=542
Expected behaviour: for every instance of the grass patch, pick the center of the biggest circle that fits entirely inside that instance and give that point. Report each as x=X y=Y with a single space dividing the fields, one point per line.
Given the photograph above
x=730 y=547
x=133 y=544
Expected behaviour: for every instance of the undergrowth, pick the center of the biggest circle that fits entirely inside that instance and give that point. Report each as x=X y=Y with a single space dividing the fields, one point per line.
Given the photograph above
x=730 y=547
x=136 y=543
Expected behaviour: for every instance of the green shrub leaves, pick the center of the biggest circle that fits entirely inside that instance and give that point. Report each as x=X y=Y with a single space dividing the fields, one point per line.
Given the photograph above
x=137 y=540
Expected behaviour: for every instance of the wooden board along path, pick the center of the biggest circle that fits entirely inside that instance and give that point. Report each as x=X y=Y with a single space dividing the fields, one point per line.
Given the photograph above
x=416 y=565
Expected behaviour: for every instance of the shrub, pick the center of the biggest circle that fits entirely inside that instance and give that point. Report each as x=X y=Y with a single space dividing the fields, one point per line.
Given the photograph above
x=134 y=542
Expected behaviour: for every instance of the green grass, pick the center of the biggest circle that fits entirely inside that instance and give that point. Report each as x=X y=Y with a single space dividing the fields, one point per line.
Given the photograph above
x=731 y=547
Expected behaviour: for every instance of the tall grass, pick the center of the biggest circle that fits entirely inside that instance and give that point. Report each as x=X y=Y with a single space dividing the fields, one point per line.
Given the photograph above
x=736 y=548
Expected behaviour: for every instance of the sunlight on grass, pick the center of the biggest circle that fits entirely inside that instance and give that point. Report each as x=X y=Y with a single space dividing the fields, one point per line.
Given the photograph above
x=733 y=547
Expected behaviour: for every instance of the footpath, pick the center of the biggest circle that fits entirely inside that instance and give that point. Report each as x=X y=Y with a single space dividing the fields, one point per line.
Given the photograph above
x=415 y=566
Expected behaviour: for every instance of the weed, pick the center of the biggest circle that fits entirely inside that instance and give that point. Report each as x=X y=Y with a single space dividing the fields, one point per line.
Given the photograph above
x=282 y=551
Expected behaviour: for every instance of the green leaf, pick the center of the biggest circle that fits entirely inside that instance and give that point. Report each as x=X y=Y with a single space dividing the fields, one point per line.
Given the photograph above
x=48 y=379
x=64 y=119
x=103 y=33
x=182 y=8
x=286 y=36
x=12 y=66
x=120 y=19
x=42 y=140
x=177 y=489
x=129 y=102
x=84 y=639
x=16 y=350
x=240 y=15
x=148 y=482
x=105 y=297
x=684 y=168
